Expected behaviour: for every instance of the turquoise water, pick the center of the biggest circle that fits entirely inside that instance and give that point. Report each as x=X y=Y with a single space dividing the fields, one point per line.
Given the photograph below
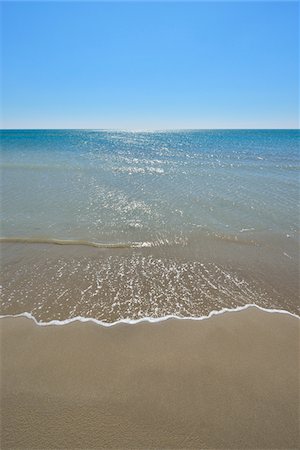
x=127 y=187
x=170 y=223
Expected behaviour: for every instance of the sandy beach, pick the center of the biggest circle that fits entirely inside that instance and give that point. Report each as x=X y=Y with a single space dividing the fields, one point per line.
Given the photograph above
x=231 y=381
x=149 y=227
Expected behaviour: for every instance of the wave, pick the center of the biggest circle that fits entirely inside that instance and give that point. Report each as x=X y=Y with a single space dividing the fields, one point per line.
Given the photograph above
x=148 y=319
x=27 y=240
x=234 y=239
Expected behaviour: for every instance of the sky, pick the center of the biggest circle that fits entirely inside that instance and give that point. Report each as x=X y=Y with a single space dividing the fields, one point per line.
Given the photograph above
x=150 y=65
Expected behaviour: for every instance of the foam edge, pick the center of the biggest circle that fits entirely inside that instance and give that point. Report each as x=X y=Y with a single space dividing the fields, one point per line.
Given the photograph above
x=147 y=319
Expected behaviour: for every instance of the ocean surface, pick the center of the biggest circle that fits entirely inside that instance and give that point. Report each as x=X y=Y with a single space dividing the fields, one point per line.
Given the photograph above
x=149 y=224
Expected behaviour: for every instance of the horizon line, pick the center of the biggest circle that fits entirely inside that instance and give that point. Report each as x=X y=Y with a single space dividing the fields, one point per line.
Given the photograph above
x=145 y=130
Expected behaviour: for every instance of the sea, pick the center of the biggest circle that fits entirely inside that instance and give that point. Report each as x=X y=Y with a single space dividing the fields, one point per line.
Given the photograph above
x=117 y=225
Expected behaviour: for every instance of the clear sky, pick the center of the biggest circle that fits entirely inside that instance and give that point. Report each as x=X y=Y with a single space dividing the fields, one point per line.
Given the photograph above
x=153 y=65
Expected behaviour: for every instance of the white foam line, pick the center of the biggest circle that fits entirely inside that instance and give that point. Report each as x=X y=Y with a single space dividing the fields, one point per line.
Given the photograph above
x=147 y=319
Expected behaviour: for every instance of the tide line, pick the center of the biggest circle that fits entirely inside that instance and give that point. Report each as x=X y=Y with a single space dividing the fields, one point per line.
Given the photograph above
x=148 y=319
x=25 y=240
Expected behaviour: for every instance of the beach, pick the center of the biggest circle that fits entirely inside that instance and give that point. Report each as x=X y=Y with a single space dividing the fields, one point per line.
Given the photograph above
x=150 y=289
x=149 y=225
x=230 y=381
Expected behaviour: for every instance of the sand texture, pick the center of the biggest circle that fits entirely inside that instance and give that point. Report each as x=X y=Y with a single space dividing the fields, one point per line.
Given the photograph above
x=231 y=381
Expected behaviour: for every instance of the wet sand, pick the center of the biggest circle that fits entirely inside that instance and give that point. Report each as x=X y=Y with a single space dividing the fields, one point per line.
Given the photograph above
x=231 y=381
x=58 y=282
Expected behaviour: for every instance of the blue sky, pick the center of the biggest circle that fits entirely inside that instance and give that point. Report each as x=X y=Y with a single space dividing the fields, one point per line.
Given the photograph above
x=153 y=65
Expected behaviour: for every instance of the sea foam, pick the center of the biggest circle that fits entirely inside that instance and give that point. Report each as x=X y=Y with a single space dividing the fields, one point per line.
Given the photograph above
x=148 y=319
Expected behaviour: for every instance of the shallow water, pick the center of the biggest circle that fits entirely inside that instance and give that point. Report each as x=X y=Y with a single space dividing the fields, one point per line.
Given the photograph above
x=177 y=223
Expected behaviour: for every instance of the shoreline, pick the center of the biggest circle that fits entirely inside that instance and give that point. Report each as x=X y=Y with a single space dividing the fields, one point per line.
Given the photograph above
x=54 y=282
x=146 y=319
x=232 y=382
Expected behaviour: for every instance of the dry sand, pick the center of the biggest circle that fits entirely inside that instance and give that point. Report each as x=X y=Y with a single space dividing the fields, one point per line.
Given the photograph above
x=231 y=381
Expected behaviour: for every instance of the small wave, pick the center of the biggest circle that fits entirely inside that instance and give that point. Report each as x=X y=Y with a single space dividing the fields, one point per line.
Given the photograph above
x=26 y=240
x=149 y=319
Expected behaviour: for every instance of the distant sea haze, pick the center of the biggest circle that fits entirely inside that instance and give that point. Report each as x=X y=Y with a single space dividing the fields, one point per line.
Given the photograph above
x=119 y=225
